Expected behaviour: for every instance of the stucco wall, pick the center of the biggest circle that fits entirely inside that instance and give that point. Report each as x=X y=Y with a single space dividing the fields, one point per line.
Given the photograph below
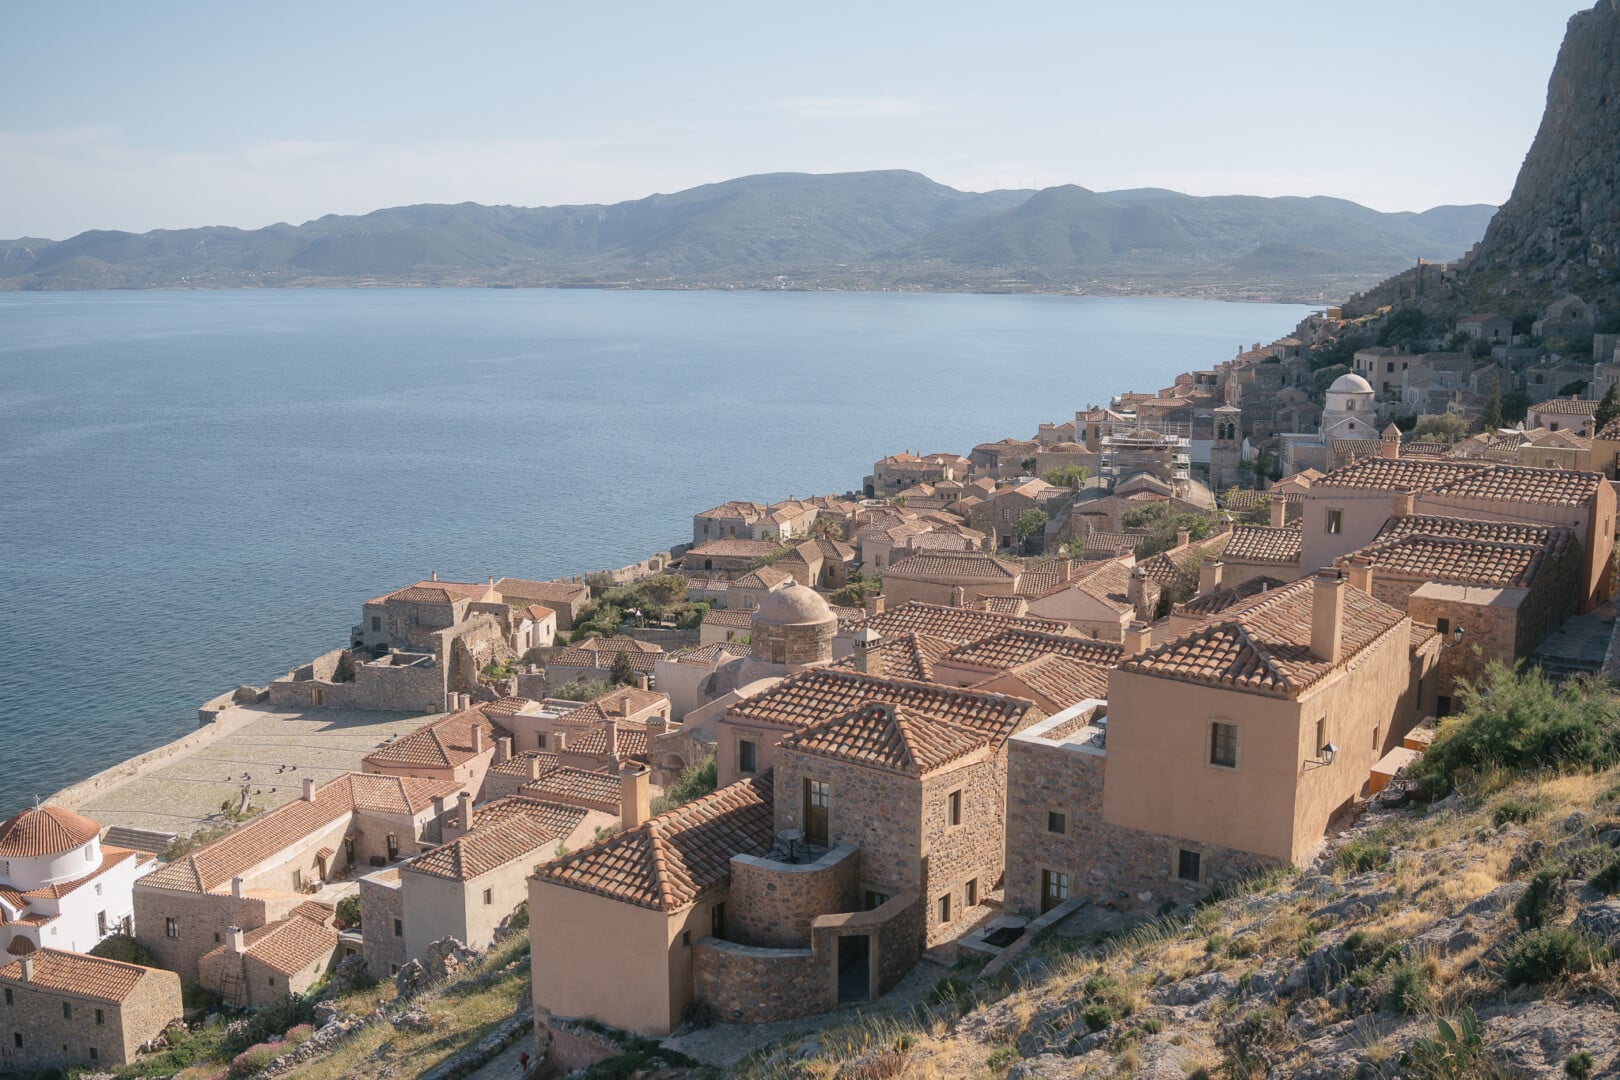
x=599 y=959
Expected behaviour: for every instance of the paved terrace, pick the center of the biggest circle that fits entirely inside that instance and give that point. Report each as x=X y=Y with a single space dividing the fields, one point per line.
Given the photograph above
x=270 y=750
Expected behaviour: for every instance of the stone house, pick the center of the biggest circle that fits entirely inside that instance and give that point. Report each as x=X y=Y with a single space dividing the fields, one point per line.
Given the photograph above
x=525 y=723
x=406 y=618
x=457 y=749
x=1569 y=316
x=1606 y=449
x=1249 y=732
x=1345 y=509
x=613 y=927
x=899 y=471
x=681 y=676
x=1100 y=601
x=903 y=656
x=745 y=593
x=594 y=659
x=1493 y=589
x=1002 y=458
x=567 y=599
x=721 y=625
x=733 y=557
x=1548 y=378
x=1543 y=449
x=254 y=968
x=819 y=564
x=60 y=886
x=1562 y=414
x=977 y=663
x=949 y=579
x=534 y=626
x=999 y=512
x=258 y=873
x=1261 y=551
x=730 y=520
x=1383 y=367
x=1054 y=682
x=65 y=1009
x=1496 y=329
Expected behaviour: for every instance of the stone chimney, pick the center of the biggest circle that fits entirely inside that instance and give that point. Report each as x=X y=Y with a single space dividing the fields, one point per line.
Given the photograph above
x=1327 y=615
x=1209 y=574
x=1390 y=442
x=1183 y=538
x=233 y=939
x=867 y=646
x=237 y=890
x=309 y=789
x=503 y=749
x=1136 y=591
x=1401 y=503
x=1138 y=636
x=1361 y=573
x=27 y=968
x=490 y=581
x=560 y=740
x=641 y=682
x=1279 y=511
x=635 y=796
x=534 y=766
x=477 y=740
x=433 y=575
x=874 y=605
x=657 y=724
x=610 y=731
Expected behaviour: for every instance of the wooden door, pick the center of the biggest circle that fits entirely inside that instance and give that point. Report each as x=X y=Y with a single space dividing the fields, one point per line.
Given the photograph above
x=816 y=799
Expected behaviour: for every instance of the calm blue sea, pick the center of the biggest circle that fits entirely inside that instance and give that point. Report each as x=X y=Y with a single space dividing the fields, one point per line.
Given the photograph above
x=198 y=489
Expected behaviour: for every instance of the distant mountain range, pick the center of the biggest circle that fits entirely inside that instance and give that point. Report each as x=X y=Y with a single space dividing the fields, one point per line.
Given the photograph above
x=868 y=230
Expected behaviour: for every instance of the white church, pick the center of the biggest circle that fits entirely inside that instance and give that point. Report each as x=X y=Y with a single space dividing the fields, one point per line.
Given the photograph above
x=60 y=887
x=1347 y=413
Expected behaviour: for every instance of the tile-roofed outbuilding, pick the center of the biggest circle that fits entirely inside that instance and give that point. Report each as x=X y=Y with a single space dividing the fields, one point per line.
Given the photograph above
x=1566 y=406
x=1263 y=645
x=444 y=743
x=1495 y=531
x=765 y=577
x=952 y=623
x=675 y=858
x=77 y=975
x=1062 y=680
x=1218 y=600
x=630 y=742
x=729 y=618
x=620 y=704
x=812 y=696
x=560 y=818
x=709 y=655
x=1013 y=647
x=881 y=735
x=968 y=566
x=1165 y=567
x=488 y=847
x=518 y=764
x=1264 y=544
x=732 y=548
x=562 y=592
x=1473 y=562
x=435 y=592
x=287 y=946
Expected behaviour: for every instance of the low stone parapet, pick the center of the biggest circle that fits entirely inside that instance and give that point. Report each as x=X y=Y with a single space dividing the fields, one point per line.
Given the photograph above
x=774 y=903
x=747 y=984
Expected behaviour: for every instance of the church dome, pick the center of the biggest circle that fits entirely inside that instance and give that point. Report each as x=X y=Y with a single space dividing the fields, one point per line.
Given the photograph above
x=45 y=830
x=1350 y=383
x=793 y=605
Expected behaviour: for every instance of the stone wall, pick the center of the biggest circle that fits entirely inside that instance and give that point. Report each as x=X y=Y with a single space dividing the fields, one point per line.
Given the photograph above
x=878 y=812
x=953 y=855
x=772 y=904
x=896 y=929
x=381 y=684
x=1108 y=864
x=745 y=984
x=200 y=922
x=793 y=645
x=51 y=1040
x=565 y=1048
x=381 y=902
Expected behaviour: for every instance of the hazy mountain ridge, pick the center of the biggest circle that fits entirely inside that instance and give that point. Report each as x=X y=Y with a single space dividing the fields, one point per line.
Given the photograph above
x=890 y=229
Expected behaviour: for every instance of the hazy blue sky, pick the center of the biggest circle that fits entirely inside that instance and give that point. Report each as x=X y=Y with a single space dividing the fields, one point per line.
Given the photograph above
x=137 y=116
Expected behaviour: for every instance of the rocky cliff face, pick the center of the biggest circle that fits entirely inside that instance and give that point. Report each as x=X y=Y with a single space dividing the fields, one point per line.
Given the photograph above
x=1563 y=219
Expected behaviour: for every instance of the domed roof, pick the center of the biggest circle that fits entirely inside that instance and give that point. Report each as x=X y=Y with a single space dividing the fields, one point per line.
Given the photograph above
x=45 y=830
x=1350 y=383
x=793 y=605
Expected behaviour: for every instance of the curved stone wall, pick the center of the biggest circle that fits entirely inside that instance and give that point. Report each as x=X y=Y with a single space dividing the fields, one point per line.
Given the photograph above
x=772 y=904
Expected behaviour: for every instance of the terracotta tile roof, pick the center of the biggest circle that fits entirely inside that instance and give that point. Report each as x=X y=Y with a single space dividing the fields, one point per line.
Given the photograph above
x=78 y=975
x=1213 y=603
x=289 y=945
x=736 y=508
x=1262 y=645
x=213 y=865
x=1003 y=605
x=951 y=623
x=505 y=708
x=435 y=592
x=1164 y=567
x=564 y=592
x=1264 y=544
x=1460 y=561
x=577 y=787
x=732 y=548
x=488 y=847
x=1048 y=575
x=537 y=612
x=965 y=567
x=1062 y=680
x=1010 y=648
x=1611 y=431
x=620 y=704
x=766 y=577
x=1397 y=474
x=642 y=663
x=882 y=735
x=110 y=857
x=904 y=656
x=675 y=858
x=741 y=620
x=1494 y=531
x=1248 y=501
x=1564 y=406
x=1106 y=581
x=630 y=743
x=560 y=818
x=940 y=540
x=613 y=646
x=1102 y=542
x=518 y=764
x=444 y=743
x=812 y=696
x=1516 y=483
x=709 y=655
x=1357 y=448
x=45 y=830
x=1421 y=449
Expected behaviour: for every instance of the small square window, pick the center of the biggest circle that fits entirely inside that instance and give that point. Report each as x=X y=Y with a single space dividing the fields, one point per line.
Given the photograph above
x=953 y=807
x=1223 y=745
x=1057 y=822
x=1189 y=865
x=489 y=897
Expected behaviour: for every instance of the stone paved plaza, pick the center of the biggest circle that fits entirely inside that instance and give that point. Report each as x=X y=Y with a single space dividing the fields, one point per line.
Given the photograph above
x=269 y=750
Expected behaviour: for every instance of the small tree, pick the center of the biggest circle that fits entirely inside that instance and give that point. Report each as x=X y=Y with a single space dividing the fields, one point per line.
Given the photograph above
x=1441 y=428
x=1029 y=523
x=622 y=673
x=1607 y=409
x=1493 y=407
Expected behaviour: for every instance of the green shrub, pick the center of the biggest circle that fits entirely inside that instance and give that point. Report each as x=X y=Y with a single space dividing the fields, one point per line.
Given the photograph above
x=1544 y=895
x=1215 y=943
x=348 y=911
x=1579 y=1065
x=272 y=1020
x=580 y=690
x=1409 y=991
x=299 y=1035
x=1608 y=878
x=1361 y=855
x=1001 y=1058
x=696 y=779
x=1543 y=955
x=1152 y=1025
x=1518 y=811
x=520 y=917
x=252 y=1060
x=1098 y=1015
x=125 y=948
x=1243 y=945
x=1456 y=1054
